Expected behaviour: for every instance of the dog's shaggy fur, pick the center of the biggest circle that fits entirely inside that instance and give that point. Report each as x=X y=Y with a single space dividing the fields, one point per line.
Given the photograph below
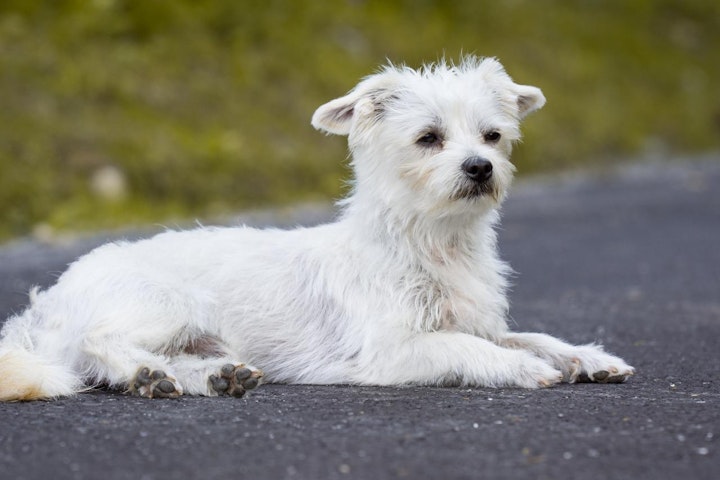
x=405 y=288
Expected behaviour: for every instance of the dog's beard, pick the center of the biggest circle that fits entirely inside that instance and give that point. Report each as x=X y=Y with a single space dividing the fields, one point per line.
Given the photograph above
x=469 y=190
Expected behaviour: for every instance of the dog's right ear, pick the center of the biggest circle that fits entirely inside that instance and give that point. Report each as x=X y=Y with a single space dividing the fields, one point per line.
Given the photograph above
x=365 y=100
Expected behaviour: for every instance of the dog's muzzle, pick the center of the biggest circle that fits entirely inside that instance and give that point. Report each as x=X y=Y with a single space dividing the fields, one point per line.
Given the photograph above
x=478 y=174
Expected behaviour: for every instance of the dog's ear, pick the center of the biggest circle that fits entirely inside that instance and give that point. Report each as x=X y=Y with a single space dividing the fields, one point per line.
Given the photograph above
x=529 y=99
x=526 y=98
x=366 y=99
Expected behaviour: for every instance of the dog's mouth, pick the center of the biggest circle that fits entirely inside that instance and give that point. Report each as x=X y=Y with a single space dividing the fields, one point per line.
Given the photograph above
x=475 y=190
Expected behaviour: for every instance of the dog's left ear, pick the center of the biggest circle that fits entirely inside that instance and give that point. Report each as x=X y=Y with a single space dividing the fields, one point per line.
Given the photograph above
x=528 y=99
x=365 y=100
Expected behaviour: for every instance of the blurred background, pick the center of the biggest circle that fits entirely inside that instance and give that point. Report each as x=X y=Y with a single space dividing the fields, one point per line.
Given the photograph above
x=125 y=112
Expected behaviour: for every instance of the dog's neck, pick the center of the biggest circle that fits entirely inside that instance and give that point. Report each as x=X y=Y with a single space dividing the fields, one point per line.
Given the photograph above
x=424 y=240
x=438 y=259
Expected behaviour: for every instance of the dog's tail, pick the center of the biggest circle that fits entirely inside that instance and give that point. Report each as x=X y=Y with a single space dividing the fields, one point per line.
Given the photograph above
x=26 y=374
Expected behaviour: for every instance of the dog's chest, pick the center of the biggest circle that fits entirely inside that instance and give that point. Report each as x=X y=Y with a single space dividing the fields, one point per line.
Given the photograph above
x=443 y=298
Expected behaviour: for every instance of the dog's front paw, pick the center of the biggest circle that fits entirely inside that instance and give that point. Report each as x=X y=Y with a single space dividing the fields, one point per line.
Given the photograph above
x=235 y=380
x=536 y=373
x=154 y=384
x=612 y=375
x=592 y=364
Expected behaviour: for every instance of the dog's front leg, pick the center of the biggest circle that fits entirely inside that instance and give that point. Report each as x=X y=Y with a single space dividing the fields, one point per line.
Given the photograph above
x=579 y=363
x=441 y=358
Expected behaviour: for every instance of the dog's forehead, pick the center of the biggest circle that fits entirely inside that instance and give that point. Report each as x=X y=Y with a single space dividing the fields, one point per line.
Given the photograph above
x=441 y=97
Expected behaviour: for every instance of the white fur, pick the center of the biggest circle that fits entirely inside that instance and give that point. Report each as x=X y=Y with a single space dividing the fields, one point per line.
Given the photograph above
x=406 y=287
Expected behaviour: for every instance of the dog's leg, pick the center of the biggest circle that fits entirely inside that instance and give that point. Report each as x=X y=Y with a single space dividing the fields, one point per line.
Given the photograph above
x=118 y=363
x=442 y=358
x=579 y=363
x=215 y=376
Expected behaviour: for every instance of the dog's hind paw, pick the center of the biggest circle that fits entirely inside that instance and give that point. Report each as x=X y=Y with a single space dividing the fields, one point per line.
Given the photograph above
x=154 y=384
x=235 y=380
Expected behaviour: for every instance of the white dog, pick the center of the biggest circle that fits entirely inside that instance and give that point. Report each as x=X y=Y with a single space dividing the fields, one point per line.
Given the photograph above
x=405 y=288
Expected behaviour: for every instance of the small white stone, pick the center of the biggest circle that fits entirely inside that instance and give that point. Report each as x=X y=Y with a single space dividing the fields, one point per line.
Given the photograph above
x=43 y=232
x=109 y=182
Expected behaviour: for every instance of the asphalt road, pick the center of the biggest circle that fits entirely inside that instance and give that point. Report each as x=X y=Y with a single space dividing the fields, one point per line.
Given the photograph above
x=629 y=258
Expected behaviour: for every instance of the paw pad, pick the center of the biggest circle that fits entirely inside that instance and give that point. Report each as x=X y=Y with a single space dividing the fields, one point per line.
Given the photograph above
x=604 y=376
x=235 y=380
x=154 y=384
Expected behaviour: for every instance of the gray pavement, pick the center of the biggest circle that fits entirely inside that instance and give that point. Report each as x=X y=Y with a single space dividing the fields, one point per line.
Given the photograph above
x=629 y=258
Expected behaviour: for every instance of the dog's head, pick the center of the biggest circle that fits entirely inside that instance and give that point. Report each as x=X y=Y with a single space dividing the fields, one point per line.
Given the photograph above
x=435 y=140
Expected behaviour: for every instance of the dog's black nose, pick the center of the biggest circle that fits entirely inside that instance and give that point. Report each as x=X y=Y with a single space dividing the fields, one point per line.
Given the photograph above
x=478 y=169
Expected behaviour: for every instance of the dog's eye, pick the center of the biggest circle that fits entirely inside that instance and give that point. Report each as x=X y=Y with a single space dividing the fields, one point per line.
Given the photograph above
x=429 y=139
x=492 y=136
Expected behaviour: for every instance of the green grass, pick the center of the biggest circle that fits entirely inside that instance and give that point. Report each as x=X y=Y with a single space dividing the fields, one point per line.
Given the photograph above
x=204 y=107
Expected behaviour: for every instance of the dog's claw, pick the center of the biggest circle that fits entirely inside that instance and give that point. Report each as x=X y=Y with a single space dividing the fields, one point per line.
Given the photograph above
x=235 y=380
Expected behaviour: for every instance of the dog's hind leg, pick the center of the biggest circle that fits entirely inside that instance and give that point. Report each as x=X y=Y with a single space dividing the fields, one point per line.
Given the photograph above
x=119 y=363
x=579 y=363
